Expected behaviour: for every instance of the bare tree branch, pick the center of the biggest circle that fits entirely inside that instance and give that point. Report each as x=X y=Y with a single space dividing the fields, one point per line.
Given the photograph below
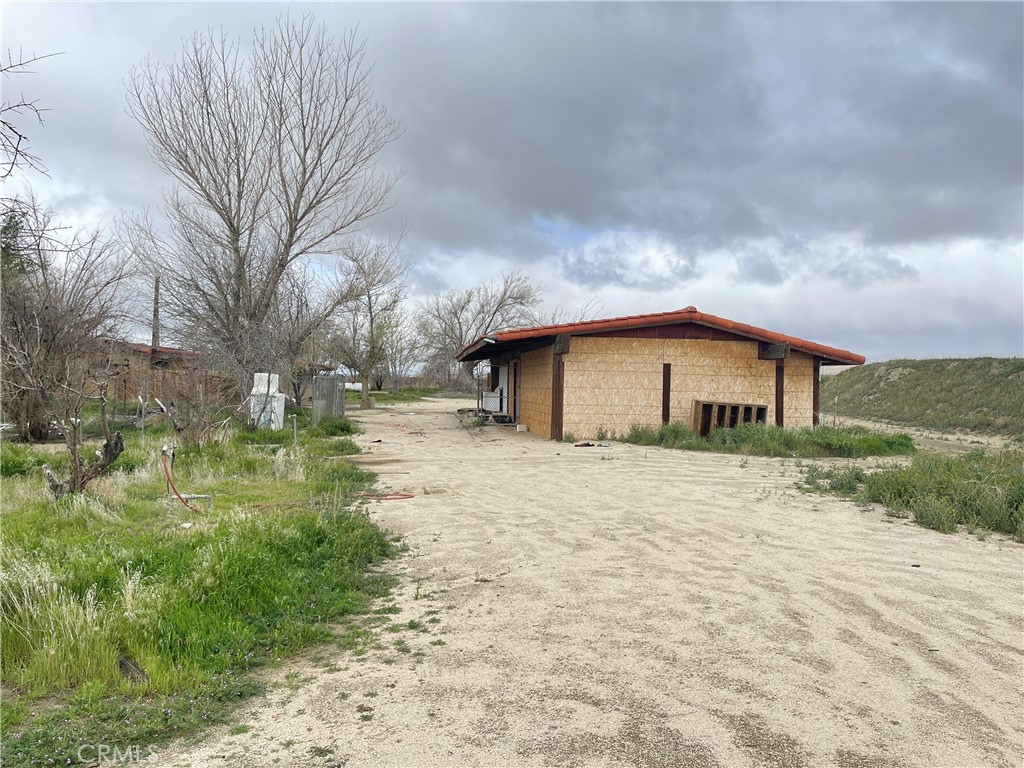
x=378 y=287
x=275 y=157
x=82 y=472
x=14 y=142
x=448 y=321
x=60 y=301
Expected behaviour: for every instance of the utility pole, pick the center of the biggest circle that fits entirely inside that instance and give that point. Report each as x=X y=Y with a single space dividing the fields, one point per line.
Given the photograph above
x=156 y=313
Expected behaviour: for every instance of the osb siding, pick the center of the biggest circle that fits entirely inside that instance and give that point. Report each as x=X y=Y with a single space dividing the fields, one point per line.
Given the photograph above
x=799 y=390
x=535 y=391
x=615 y=383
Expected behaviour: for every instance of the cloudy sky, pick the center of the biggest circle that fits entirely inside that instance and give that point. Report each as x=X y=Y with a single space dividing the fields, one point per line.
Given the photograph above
x=852 y=174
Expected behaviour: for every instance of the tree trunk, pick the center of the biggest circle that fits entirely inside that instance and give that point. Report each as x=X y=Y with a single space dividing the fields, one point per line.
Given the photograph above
x=365 y=403
x=82 y=475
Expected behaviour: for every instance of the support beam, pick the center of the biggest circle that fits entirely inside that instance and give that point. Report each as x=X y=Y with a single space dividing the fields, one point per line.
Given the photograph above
x=666 y=392
x=817 y=392
x=780 y=392
x=557 y=395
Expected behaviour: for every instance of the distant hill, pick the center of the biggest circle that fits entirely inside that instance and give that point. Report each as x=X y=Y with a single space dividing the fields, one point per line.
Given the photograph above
x=981 y=394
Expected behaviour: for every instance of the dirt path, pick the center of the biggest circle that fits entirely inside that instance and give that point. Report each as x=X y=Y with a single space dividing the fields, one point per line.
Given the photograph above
x=639 y=606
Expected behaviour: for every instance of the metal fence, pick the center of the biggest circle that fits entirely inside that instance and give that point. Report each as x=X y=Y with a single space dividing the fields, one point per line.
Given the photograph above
x=328 y=397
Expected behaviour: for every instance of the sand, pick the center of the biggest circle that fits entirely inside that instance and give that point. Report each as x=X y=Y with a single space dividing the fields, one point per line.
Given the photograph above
x=646 y=607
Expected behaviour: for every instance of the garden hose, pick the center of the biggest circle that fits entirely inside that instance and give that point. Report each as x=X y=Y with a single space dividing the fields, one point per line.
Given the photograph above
x=167 y=471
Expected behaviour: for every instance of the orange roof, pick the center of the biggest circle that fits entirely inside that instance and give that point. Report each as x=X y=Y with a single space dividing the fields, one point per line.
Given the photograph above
x=687 y=315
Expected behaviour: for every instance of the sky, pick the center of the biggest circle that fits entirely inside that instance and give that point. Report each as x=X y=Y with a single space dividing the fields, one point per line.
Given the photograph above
x=852 y=174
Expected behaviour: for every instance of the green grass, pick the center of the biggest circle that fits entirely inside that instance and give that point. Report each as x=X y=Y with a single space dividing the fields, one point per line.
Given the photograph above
x=409 y=395
x=18 y=460
x=976 y=490
x=333 y=426
x=125 y=576
x=842 y=481
x=763 y=440
x=265 y=436
x=984 y=394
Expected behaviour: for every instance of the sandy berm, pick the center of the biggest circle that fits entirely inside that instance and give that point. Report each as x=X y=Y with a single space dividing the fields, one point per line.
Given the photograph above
x=630 y=606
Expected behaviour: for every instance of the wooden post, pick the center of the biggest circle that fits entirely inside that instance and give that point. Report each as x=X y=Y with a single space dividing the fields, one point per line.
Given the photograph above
x=816 y=397
x=557 y=395
x=666 y=392
x=780 y=392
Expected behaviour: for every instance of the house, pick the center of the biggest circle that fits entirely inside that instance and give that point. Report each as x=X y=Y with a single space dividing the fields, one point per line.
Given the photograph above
x=165 y=372
x=683 y=366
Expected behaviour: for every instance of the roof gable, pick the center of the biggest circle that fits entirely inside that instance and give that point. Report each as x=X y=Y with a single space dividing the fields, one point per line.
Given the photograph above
x=484 y=346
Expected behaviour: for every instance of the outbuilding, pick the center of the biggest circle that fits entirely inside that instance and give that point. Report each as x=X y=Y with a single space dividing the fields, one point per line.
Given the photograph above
x=687 y=366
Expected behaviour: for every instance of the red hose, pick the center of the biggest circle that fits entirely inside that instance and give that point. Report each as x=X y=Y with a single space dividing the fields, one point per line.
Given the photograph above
x=385 y=496
x=163 y=458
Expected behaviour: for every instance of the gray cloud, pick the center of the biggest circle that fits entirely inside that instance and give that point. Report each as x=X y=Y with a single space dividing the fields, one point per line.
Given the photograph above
x=709 y=129
x=759 y=267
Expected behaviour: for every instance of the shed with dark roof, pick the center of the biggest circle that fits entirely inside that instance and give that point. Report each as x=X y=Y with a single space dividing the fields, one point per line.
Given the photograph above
x=688 y=366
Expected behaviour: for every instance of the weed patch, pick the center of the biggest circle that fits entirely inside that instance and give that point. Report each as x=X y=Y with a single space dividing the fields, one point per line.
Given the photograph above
x=137 y=622
x=844 y=481
x=975 y=490
x=18 y=461
x=333 y=426
x=408 y=395
x=763 y=440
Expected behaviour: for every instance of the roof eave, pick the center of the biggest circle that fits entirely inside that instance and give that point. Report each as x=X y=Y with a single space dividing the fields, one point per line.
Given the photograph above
x=466 y=354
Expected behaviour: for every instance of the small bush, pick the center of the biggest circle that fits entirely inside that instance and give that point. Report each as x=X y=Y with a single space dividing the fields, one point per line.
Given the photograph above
x=342 y=478
x=16 y=460
x=934 y=512
x=844 y=481
x=675 y=435
x=334 y=426
x=642 y=434
x=889 y=487
x=976 y=490
x=764 y=440
x=568 y=437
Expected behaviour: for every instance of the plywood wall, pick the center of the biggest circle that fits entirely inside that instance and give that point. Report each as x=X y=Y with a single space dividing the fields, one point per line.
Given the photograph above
x=614 y=383
x=799 y=390
x=535 y=391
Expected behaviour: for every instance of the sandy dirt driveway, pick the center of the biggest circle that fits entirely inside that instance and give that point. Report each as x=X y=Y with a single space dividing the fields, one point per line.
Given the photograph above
x=644 y=607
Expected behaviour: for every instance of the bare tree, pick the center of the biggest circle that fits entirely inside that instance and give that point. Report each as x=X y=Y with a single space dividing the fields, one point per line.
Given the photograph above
x=378 y=286
x=60 y=307
x=401 y=346
x=275 y=158
x=14 y=142
x=83 y=472
x=591 y=310
x=448 y=321
x=61 y=304
x=303 y=306
x=200 y=402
